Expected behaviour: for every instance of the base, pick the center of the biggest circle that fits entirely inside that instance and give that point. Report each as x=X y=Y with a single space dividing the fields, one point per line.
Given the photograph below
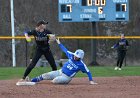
x=25 y=83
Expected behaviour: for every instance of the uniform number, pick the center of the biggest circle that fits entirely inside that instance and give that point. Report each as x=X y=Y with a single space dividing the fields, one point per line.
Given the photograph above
x=69 y=67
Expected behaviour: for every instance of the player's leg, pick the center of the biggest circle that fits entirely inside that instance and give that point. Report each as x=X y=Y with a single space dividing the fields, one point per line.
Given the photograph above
x=38 y=54
x=63 y=79
x=46 y=76
x=118 y=60
x=48 y=55
x=119 y=57
x=122 y=58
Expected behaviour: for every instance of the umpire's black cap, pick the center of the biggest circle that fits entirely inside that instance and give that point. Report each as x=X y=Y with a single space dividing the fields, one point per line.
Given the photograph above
x=41 y=22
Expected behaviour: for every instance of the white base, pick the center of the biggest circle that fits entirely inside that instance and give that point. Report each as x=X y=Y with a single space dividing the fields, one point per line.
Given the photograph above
x=25 y=83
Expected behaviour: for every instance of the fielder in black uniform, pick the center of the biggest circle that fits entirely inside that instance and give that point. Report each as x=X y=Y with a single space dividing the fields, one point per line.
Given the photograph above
x=121 y=46
x=40 y=34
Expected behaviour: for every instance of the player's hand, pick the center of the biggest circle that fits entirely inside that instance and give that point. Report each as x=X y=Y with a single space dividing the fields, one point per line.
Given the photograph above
x=112 y=47
x=57 y=40
x=52 y=37
x=93 y=83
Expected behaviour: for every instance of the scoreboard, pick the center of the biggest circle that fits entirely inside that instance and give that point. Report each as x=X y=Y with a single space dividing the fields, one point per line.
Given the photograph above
x=93 y=10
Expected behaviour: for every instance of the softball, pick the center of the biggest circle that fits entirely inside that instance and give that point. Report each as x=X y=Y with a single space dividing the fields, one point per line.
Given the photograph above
x=28 y=39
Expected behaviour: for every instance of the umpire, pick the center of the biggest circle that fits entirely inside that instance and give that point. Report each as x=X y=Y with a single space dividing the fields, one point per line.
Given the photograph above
x=121 y=46
x=40 y=34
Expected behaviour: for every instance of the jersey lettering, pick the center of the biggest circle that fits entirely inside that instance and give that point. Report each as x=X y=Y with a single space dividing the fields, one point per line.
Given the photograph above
x=72 y=64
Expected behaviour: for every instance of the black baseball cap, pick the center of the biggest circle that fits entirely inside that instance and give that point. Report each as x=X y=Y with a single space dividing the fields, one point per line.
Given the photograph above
x=41 y=22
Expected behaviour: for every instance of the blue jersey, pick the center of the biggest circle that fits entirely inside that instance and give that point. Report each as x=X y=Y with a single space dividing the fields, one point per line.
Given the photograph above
x=71 y=67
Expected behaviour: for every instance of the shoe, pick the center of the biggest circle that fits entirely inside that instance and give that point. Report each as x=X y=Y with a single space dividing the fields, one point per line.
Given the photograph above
x=116 y=68
x=27 y=79
x=37 y=79
x=21 y=80
x=93 y=83
x=119 y=69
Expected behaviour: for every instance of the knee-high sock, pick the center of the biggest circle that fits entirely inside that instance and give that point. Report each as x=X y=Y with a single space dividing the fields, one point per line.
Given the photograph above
x=37 y=79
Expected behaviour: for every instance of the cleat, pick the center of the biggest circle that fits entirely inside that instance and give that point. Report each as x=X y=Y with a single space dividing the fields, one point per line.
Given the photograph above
x=93 y=83
x=119 y=69
x=26 y=82
x=27 y=79
x=116 y=68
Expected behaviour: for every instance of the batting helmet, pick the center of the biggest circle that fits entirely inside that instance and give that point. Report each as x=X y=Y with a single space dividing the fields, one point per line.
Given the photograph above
x=79 y=53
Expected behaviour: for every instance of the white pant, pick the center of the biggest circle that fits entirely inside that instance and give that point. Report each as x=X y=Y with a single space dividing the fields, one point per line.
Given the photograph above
x=57 y=77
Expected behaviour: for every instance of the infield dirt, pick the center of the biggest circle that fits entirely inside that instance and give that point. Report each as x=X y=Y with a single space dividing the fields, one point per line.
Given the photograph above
x=108 y=87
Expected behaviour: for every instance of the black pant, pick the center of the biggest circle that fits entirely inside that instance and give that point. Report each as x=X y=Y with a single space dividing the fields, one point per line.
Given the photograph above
x=39 y=52
x=121 y=56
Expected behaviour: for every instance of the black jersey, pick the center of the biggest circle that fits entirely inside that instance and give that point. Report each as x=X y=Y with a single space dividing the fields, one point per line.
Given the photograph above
x=122 y=44
x=41 y=38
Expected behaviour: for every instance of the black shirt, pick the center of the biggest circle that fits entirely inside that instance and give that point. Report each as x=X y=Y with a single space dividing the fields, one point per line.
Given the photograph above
x=122 y=44
x=41 y=38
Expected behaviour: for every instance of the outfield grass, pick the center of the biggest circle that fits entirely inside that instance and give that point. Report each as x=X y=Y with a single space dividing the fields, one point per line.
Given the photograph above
x=17 y=72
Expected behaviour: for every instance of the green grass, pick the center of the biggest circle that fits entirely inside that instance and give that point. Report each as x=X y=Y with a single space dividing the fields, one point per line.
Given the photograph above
x=17 y=72
x=110 y=72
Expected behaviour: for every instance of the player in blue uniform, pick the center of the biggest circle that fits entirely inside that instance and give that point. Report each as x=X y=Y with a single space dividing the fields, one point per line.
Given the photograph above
x=121 y=46
x=69 y=69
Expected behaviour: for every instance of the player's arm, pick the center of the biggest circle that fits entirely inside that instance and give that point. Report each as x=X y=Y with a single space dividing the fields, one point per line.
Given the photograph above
x=127 y=45
x=116 y=45
x=50 y=35
x=84 y=69
x=90 y=78
x=63 y=48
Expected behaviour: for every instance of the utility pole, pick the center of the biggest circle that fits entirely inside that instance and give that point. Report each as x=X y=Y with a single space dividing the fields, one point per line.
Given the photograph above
x=13 y=33
x=93 y=44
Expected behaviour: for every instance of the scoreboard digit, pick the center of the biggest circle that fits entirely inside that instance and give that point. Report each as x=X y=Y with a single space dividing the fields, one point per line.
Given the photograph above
x=93 y=10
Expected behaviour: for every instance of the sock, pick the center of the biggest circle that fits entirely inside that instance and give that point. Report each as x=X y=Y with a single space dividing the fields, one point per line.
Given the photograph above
x=37 y=79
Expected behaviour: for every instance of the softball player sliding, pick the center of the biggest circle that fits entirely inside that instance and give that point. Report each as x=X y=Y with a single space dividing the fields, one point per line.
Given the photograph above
x=69 y=69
